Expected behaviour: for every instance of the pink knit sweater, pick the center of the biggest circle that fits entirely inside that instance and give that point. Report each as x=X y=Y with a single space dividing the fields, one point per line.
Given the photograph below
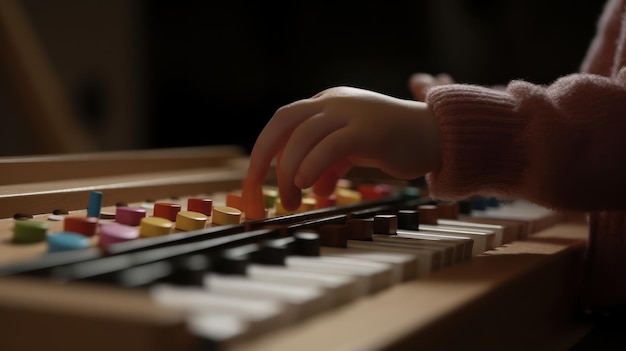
x=562 y=145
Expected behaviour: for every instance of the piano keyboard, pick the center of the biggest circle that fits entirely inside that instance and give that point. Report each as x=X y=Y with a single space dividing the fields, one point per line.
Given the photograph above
x=395 y=273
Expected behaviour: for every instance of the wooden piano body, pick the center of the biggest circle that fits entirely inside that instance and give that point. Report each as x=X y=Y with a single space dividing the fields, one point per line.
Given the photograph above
x=522 y=295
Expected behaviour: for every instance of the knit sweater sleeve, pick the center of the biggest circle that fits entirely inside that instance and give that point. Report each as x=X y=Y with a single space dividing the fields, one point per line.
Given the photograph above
x=562 y=146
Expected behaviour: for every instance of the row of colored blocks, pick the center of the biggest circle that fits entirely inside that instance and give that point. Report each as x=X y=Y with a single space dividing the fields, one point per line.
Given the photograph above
x=344 y=194
x=128 y=223
x=132 y=222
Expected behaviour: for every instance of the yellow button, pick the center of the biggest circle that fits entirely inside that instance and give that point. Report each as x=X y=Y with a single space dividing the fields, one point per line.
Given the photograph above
x=347 y=196
x=190 y=220
x=225 y=215
x=155 y=226
x=307 y=204
x=279 y=210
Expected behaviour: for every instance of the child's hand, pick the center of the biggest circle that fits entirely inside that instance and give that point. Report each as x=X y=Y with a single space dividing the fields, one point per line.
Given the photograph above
x=420 y=82
x=317 y=140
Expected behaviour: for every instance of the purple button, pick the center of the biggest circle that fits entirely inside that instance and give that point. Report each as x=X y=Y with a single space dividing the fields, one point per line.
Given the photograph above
x=129 y=215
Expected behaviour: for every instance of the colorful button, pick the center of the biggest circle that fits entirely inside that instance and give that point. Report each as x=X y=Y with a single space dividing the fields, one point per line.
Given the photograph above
x=166 y=210
x=325 y=201
x=95 y=204
x=155 y=226
x=307 y=204
x=235 y=200
x=254 y=202
x=66 y=241
x=279 y=210
x=129 y=215
x=83 y=225
x=374 y=191
x=347 y=196
x=190 y=220
x=202 y=205
x=225 y=215
x=111 y=233
x=26 y=231
x=269 y=197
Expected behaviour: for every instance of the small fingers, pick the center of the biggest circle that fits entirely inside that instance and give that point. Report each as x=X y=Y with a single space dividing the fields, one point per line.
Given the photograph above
x=419 y=83
x=304 y=139
x=276 y=134
x=331 y=156
x=290 y=194
x=327 y=182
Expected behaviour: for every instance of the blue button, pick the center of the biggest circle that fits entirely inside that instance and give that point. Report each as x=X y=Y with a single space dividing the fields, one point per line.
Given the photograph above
x=64 y=241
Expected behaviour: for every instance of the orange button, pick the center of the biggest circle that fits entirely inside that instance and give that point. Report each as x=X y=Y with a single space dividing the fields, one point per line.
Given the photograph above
x=253 y=200
x=234 y=200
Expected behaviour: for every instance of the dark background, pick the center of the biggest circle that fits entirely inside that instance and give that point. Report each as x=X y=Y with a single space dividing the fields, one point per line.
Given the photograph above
x=148 y=74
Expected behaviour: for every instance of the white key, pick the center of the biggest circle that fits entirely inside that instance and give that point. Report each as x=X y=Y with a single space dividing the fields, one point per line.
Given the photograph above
x=218 y=327
x=373 y=276
x=305 y=300
x=429 y=260
x=258 y=315
x=482 y=241
x=404 y=265
x=464 y=245
x=450 y=252
x=497 y=229
x=341 y=288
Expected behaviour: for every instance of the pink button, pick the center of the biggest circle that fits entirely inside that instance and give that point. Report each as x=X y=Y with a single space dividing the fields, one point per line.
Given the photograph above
x=111 y=233
x=129 y=215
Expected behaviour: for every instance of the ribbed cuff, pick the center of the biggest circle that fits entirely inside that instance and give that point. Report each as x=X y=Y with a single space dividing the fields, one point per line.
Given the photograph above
x=481 y=148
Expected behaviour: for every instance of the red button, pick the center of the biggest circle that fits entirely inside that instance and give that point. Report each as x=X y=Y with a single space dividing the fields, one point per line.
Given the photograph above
x=84 y=225
x=166 y=210
x=201 y=205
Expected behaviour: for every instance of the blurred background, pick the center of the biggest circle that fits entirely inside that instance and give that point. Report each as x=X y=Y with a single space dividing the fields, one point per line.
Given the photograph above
x=90 y=75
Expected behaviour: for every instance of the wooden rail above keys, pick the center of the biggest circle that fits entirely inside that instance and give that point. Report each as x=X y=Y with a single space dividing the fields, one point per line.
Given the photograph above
x=40 y=184
x=43 y=197
x=47 y=168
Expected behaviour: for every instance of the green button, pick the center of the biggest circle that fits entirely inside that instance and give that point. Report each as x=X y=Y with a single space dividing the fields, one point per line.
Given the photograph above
x=29 y=231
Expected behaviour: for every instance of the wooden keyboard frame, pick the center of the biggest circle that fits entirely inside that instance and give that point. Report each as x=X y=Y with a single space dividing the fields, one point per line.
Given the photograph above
x=523 y=295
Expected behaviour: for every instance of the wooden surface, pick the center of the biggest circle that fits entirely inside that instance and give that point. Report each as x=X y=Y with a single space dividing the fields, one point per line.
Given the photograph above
x=40 y=315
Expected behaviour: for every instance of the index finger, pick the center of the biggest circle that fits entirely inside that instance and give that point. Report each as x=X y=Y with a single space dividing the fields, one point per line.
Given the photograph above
x=275 y=135
x=269 y=142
